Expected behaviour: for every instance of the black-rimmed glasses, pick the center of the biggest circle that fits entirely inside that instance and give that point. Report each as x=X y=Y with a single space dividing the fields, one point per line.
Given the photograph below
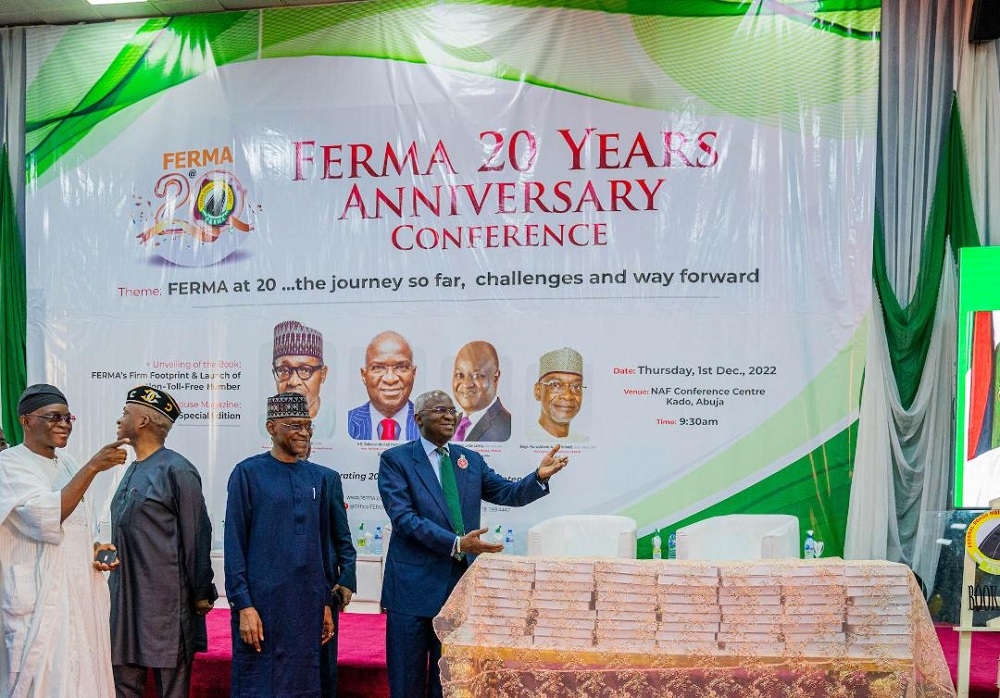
x=303 y=372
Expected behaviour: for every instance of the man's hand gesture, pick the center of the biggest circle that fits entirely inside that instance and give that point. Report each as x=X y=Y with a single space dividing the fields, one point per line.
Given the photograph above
x=109 y=456
x=551 y=464
x=472 y=544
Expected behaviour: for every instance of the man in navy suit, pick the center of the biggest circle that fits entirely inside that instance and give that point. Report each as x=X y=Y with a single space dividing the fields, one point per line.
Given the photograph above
x=474 y=383
x=435 y=536
x=388 y=376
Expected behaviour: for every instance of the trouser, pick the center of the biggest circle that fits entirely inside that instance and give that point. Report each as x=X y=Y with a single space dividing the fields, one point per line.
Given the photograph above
x=130 y=680
x=412 y=655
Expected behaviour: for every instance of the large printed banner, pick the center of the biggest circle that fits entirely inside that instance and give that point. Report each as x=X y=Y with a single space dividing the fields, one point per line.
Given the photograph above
x=643 y=236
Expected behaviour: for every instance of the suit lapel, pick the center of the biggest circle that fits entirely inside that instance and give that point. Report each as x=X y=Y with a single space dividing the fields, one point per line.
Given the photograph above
x=425 y=471
x=412 y=432
x=483 y=425
x=461 y=475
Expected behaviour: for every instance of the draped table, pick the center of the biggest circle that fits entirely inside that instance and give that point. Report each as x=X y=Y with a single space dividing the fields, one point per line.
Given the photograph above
x=538 y=626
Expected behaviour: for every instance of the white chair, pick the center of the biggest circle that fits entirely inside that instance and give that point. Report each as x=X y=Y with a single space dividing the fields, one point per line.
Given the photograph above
x=740 y=537
x=583 y=535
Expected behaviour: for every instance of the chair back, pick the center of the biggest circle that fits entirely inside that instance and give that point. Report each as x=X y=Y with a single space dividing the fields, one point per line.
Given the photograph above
x=740 y=537
x=583 y=535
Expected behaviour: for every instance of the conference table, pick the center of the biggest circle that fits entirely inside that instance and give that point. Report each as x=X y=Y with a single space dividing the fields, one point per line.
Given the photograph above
x=535 y=626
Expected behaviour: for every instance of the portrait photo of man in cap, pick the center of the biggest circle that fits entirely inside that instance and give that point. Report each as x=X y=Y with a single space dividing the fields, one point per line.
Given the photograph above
x=297 y=366
x=55 y=597
x=162 y=587
x=559 y=392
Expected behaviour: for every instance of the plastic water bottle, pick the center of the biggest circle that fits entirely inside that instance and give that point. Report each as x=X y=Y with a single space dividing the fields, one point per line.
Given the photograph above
x=508 y=541
x=362 y=539
x=498 y=534
x=377 y=541
x=672 y=546
x=657 y=546
x=809 y=547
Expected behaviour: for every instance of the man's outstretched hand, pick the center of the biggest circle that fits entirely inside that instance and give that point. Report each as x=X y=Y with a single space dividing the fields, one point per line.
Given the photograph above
x=551 y=464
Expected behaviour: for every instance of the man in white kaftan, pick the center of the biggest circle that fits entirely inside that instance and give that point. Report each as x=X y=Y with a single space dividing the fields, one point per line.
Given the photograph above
x=55 y=600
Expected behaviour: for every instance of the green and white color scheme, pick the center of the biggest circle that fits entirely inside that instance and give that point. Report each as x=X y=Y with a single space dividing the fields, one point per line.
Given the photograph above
x=681 y=191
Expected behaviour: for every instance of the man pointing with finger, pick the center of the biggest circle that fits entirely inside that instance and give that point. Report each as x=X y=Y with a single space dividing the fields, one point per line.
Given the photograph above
x=55 y=599
x=432 y=492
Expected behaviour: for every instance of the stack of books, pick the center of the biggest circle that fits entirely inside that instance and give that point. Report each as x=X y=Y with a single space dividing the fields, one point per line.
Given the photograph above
x=626 y=603
x=563 y=604
x=879 y=612
x=687 y=596
x=500 y=605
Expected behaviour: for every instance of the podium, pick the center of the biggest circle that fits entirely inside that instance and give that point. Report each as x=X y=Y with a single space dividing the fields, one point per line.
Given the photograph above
x=594 y=627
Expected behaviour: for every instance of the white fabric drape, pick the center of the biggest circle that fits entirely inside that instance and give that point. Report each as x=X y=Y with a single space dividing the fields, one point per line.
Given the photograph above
x=903 y=460
x=979 y=102
x=904 y=457
x=919 y=42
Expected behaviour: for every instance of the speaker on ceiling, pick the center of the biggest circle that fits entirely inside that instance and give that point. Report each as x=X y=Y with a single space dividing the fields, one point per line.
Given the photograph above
x=985 y=24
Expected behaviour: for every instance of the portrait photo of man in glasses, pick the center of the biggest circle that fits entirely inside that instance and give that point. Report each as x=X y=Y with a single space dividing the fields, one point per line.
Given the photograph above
x=559 y=392
x=298 y=367
x=388 y=376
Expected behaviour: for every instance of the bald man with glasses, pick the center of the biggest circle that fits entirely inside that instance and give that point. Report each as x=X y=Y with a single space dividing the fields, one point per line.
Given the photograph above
x=55 y=599
x=388 y=376
x=432 y=491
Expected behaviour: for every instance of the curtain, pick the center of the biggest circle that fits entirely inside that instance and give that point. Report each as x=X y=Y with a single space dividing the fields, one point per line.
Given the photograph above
x=13 y=310
x=930 y=200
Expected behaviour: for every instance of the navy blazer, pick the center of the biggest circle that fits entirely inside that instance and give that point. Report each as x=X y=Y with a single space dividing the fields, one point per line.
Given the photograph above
x=359 y=423
x=419 y=568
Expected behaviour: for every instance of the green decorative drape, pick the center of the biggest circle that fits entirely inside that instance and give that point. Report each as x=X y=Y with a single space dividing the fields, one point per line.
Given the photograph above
x=13 y=306
x=908 y=329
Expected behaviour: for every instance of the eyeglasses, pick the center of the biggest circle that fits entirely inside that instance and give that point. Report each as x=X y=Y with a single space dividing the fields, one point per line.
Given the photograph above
x=382 y=369
x=296 y=428
x=558 y=386
x=55 y=417
x=305 y=372
x=441 y=410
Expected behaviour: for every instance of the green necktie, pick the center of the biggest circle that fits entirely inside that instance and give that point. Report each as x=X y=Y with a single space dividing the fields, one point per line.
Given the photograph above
x=450 y=486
